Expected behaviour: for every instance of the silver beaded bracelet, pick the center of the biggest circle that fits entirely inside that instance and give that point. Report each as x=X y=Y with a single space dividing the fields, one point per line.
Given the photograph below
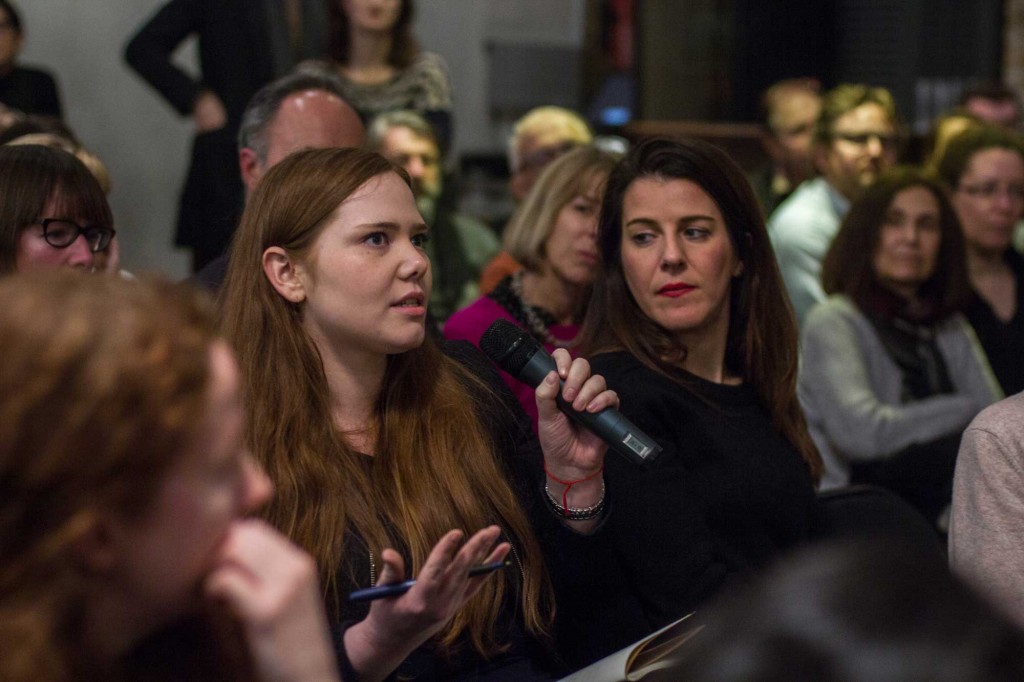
x=574 y=514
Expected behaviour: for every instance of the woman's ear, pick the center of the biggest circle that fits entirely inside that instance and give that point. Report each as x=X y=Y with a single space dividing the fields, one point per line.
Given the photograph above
x=284 y=274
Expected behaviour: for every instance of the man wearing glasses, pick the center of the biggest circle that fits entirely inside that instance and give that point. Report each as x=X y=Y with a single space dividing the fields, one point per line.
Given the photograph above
x=855 y=140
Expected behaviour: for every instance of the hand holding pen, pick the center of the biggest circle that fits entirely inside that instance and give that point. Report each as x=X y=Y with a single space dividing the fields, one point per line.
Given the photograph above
x=395 y=627
x=398 y=589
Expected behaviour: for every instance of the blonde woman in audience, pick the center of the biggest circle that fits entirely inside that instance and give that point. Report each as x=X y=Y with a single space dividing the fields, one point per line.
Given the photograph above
x=553 y=236
x=388 y=452
x=125 y=484
x=538 y=138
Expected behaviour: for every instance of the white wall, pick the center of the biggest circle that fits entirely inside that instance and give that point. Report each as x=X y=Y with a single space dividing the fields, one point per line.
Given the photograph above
x=146 y=145
x=140 y=139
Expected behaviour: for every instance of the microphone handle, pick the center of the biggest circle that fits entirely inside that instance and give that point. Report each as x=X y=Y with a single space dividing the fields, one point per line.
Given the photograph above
x=621 y=434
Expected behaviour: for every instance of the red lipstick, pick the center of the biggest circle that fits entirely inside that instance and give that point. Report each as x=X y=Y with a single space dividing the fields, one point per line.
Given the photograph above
x=675 y=289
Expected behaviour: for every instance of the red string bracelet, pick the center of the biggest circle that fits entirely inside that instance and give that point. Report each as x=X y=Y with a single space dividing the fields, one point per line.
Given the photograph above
x=569 y=484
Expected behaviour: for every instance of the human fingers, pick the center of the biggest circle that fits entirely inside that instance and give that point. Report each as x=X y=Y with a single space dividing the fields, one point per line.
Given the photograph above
x=562 y=361
x=392 y=567
x=473 y=552
x=258 y=569
x=576 y=376
x=499 y=553
x=440 y=556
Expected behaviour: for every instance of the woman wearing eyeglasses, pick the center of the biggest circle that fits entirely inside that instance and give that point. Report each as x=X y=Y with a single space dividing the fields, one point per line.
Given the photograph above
x=983 y=169
x=53 y=212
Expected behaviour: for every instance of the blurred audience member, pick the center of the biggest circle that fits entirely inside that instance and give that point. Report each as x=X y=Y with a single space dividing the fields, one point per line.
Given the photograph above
x=945 y=128
x=242 y=46
x=890 y=371
x=50 y=132
x=689 y=325
x=985 y=543
x=297 y=111
x=53 y=212
x=993 y=103
x=458 y=246
x=126 y=554
x=33 y=123
x=382 y=67
x=553 y=234
x=860 y=612
x=538 y=138
x=983 y=169
x=791 y=108
x=30 y=91
x=855 y=139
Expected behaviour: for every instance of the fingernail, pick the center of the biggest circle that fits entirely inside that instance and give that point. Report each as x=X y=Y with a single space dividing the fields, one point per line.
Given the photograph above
x=570 y=393
x=550 y=379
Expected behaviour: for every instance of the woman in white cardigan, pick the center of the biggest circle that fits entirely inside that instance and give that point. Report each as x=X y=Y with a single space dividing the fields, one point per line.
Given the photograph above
x=891 y=372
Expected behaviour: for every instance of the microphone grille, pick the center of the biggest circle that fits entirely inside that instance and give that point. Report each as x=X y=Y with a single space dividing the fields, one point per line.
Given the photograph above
x=509 y=346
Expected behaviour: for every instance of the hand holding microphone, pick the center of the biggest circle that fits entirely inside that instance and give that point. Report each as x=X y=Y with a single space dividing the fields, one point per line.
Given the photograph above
x=522 y=356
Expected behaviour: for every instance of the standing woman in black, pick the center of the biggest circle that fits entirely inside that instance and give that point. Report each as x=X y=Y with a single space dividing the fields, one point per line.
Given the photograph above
x=24 y=89
x=690 y=325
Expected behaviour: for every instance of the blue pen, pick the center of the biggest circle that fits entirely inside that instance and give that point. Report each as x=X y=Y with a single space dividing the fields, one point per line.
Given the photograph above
x=397 y=589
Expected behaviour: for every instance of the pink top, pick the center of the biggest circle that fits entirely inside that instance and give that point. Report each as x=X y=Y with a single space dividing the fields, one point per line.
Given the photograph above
x=471 y=322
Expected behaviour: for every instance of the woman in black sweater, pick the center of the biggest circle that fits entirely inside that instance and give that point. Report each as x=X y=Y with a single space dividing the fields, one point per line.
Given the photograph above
x=689 y=324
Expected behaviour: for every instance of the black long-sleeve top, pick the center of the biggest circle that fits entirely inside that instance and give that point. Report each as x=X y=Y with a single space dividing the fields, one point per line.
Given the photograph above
x=570 y=557
x=726 y=496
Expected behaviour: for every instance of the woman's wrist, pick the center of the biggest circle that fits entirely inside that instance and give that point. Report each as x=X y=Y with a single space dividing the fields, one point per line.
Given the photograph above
x=575 y=489
x=372 y=655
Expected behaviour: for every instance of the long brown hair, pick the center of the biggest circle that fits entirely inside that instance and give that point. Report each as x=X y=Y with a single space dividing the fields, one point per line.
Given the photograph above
x=404 y=47
x=849 y=269
x=761 y=345
x=434 y=467
x=102 y=386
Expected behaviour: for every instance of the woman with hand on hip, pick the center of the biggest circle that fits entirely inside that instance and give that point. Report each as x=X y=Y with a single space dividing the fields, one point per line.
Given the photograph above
x=386 y=450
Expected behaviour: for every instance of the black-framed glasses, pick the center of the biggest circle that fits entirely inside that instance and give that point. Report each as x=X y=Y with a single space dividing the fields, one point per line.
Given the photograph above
x=60 y=233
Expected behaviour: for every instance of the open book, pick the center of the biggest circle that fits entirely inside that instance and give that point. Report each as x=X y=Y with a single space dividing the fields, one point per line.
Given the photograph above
x=654 y=652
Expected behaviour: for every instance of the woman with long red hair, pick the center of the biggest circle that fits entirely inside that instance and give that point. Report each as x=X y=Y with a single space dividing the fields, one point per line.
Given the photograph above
x=380 y=443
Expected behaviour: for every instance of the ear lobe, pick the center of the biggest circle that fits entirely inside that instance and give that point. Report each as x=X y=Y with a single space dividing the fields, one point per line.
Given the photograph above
x=283 y=274
x=738 y=270
x=250 y=167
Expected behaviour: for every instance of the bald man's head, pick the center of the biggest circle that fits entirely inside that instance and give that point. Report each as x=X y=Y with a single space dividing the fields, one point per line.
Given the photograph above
x=299 y=111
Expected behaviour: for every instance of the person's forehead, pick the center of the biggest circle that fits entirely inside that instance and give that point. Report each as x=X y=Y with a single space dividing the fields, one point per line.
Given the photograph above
x=800 y=106
x=868 y=117
x=401 y=139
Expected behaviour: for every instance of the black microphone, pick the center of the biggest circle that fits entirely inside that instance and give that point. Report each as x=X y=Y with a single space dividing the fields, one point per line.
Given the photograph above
x=522 y=356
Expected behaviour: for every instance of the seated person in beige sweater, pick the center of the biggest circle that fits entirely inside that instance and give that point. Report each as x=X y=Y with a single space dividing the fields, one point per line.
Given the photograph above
x=986 y=540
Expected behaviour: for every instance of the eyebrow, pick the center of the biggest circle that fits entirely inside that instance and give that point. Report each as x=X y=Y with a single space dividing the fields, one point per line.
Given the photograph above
x=390 y=225
x=685 y=220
